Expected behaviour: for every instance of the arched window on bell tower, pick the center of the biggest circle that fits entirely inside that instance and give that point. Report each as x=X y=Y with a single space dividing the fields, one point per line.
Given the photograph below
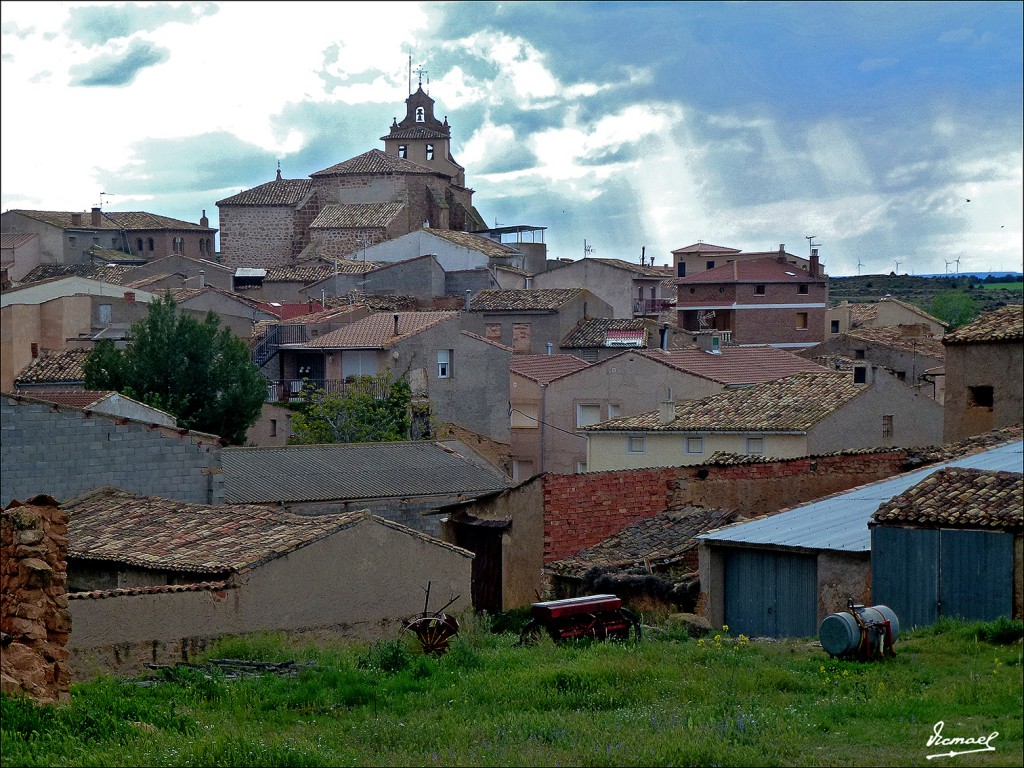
x=420 y=115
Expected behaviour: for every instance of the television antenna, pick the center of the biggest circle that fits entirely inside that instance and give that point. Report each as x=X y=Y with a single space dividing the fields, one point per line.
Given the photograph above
x=102 y=195
x=587 y=249
x=811 y=245
x=859 y=264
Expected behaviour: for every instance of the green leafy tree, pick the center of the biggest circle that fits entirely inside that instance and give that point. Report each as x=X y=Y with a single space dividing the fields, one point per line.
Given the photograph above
x=369 y=410
x=197 y=371
x=955 y=307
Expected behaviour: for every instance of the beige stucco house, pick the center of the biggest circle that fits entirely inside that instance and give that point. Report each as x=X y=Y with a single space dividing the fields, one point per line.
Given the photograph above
x=804 y=414
x=885 y=313
x=632 y=290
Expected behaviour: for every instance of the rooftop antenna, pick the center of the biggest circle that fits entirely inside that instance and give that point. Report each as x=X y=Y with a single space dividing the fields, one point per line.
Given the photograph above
x=811 y=245
x=102 y=195
x=859 y=264
x=587 y=249
x=410 y=74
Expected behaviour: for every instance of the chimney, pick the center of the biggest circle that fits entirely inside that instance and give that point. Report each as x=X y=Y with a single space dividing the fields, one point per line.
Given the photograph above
x=396 y=323
x=202 y=278
x=709 y=342
x=76 y=219
x=95 y=216
x=664 y=336
x=550 y=346
x=643 y=249
x=782 y=253
x=814 y=262
x=666 y=412
x=129 y=296
x=203 y=221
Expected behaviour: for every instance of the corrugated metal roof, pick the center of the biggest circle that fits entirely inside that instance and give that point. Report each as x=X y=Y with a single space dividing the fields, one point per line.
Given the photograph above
x=841 y=522
x=300 y=473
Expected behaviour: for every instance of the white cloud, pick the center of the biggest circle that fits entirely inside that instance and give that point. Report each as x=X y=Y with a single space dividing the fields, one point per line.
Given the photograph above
x=487 y=144
x=838 y=158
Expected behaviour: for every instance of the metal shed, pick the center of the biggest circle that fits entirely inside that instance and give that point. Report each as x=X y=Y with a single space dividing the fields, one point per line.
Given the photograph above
x=779 y=576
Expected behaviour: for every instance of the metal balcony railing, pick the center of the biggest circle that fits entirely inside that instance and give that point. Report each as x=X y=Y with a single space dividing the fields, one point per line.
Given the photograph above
x=651 y=306
x=289 y=390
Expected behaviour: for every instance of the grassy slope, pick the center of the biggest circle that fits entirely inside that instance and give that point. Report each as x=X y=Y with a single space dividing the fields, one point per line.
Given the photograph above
x=670 y=700
x=920 y=290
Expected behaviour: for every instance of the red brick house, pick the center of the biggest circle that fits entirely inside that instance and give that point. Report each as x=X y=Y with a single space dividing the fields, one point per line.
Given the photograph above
x=758 y=301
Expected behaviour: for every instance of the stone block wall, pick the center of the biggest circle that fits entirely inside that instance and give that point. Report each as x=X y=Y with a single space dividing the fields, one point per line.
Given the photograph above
x=256 y=236
x=64 y=452
x=34 y=620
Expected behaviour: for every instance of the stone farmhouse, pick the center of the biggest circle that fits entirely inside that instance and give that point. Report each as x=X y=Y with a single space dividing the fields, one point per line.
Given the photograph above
x=765 y=300
x=376 y=196
x=799 y=415
x=556 y=398
x=66 y=237
x=984 y=386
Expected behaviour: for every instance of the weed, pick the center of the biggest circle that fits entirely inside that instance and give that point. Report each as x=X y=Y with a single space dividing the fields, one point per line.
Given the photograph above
x=386 y=656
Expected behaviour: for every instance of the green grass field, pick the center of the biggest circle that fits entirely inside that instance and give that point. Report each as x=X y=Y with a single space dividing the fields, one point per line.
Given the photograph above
x=669 y=700
x=1017 y=286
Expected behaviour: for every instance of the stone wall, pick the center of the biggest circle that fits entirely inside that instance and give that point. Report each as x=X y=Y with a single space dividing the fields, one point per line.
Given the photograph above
x=34 y=619
x=64 y=452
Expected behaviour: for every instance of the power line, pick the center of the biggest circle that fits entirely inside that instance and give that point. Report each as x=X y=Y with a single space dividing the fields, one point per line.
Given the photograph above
x=545 y=423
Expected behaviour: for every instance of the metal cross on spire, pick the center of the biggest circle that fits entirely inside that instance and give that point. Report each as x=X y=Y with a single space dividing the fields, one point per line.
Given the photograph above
x=420 y=71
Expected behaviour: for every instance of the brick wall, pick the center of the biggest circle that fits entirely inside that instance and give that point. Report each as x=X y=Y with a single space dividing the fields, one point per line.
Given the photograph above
x=64 y=452
x=581 y=510
x=34 y=618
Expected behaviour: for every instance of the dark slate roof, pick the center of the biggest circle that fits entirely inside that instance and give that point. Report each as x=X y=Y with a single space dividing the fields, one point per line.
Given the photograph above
x=375 y=161
x=56 y=367
x=545 y=368
x=114 y=220
x=522 y=300
x=354 y=471
x=659 y=541
x=1004 y=324
x=118 y=274
x=960 y=497
x=149 y=532
x=356 y=215
x=284 y=192
x=593 y=332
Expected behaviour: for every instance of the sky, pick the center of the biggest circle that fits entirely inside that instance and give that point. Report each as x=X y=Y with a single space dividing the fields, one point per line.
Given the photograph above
x=889 y=132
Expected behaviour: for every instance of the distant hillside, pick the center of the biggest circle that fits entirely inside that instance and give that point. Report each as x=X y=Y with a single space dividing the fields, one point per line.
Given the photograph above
x=918 y=290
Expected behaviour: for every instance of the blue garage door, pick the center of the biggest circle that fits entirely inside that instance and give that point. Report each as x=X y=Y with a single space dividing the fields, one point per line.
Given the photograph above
x=905 y=573
x=771 y=594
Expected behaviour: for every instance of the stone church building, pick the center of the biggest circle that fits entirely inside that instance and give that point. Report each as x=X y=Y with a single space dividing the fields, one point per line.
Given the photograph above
x=376 y=196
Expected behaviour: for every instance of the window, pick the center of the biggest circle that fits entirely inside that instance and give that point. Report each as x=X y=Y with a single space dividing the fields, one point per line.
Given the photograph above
x=681 y=269
x=887 y=426
x=105 y=313
x=581 y=467
x=420 y=115
x=430 y=151
x=710 y=265
x=834 y=326
x=860 y=375
x=403 y=150
x=755 y=446
x=695 y=445
x=982 y=397
x=801 y=321
x=444 y=363
x=635 y=444
x=802 y=289
x=149 y=244
x=759 y=290
x=138 y=245
x=858 y=354
x=113 y=242
x=587 y=414
x=525 y=416
x=273 y=427
x=613 y=411
x=178 y=245
x=95 y=241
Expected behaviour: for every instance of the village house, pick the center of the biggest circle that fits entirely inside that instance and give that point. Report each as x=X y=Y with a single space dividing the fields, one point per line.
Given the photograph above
x=984 y=386
x=781 y=575
x=598 y=338
x=179 y=271
x=19 y=255
x=531 y=322
x=632 y=290
x=556 y=398
x=340 y=210
x=799 y=415
x=155 y=580
x=888 y=312
x=107 y=402
x=757 y=301
x=65 y=237
x=700 y=257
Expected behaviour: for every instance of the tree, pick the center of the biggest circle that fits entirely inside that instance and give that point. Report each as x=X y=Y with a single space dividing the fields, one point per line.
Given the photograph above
x=361 y=414
x=197 y=371
x=956 y=308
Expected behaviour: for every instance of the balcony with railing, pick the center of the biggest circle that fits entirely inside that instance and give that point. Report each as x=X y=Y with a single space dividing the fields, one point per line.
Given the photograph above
x=270 y=339
x=644 y=307
x=291 y=390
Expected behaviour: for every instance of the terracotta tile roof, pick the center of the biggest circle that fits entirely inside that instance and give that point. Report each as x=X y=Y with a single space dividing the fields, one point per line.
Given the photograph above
x=377 y=331
x=545 y=368
x=962 y=498
x=149 y=532
x=793 y=404
x=522 y=300
x=492 y=342
x=760 y=270
x=322 y=316
x=115 y=220
x=145 y=282
x=16 y=239
x=111 y=254
x=55 y=367
x=593 y=332
x=354 y=471
x=182 y=295
x=863 y=313
x=119 y=274
x=305 y=274
x=657 y=542
x=415 y=132
x=1004 y=324
x=373 y=162
x=356 y=215
x=201 y=586
x=75 y=398
x=895 y=337
x=484 y=245
x=735 y=366
x=640 y=270
x=706 y=248
x=513 y=270
x=284 y=192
